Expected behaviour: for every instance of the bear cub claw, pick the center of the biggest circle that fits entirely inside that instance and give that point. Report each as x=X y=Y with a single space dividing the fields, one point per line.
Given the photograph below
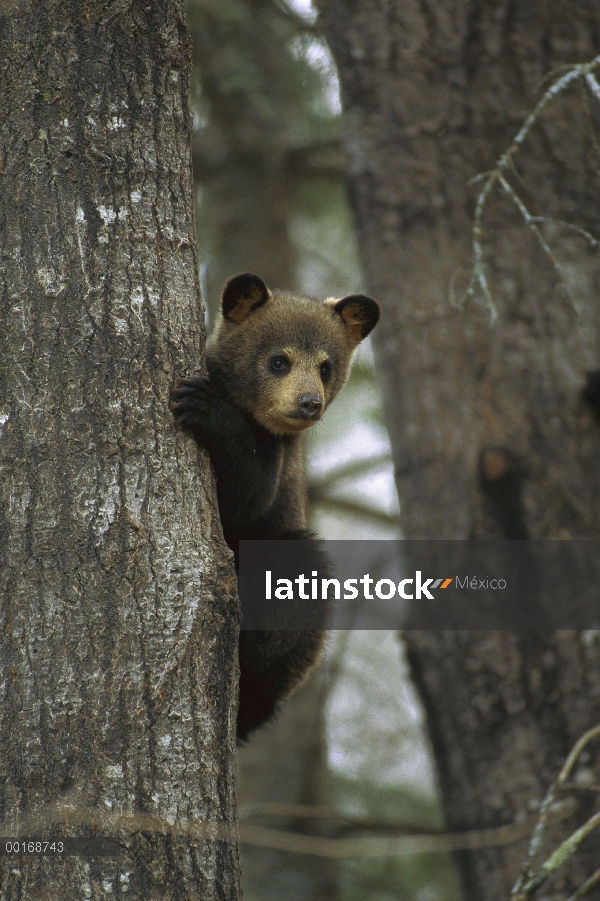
x=191 y=400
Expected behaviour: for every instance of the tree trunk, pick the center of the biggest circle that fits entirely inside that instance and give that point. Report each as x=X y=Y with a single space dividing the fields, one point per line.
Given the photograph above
x=119 y=616
x=240 y=156
x=504 y=710
x=433 y=94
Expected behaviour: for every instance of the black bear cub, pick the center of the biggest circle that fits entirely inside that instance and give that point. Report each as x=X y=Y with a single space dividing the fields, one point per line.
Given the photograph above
x=275 y=361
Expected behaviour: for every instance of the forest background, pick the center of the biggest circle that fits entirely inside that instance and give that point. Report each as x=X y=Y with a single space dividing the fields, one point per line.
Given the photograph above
x=483 y=380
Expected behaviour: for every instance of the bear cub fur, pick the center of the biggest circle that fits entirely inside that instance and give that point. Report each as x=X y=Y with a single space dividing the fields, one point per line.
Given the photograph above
x=275 y=362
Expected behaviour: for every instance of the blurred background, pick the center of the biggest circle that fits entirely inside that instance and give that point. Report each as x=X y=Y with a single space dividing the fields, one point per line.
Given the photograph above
x=489 y=356
x=349 y=752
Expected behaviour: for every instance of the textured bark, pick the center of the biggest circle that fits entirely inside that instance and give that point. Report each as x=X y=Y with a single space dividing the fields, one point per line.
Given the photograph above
x=119 y=617
x=432 y=95
x=504 y=710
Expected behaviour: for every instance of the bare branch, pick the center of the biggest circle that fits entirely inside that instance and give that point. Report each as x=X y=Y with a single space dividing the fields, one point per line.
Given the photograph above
x=496 y=176
x=347 y=470
x=529 y=880
x=357 y=509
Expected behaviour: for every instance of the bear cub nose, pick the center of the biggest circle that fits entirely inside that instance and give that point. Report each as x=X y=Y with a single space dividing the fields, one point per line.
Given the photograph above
x=310 y=406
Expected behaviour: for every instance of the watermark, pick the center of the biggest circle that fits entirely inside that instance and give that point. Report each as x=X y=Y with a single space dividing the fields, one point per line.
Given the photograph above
x=538 y=585
x=48 y=846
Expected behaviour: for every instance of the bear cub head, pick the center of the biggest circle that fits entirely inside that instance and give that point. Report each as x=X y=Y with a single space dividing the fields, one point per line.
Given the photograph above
x=281 y=358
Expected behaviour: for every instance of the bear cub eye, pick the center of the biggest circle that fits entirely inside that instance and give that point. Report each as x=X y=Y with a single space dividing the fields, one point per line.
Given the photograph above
x=326 y=370
x=279 y=364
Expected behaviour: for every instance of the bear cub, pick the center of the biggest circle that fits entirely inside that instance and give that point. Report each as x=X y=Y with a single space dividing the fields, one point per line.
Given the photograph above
x=275 y=362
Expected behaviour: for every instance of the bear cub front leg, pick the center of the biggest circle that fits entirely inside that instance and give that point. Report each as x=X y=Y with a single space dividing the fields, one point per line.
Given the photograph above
x=246 y=460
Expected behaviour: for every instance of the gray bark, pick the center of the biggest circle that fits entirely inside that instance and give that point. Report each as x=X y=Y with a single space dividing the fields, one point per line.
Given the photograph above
x=119 y=613
x=433 y=94
x=504 y=710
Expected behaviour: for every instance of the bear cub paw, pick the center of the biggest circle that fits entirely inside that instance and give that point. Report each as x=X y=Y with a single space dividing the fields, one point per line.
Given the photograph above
x=191 y=400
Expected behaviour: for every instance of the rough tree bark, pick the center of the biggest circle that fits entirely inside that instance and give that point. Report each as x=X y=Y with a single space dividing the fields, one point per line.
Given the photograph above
x=119 y=614
x=432 y=95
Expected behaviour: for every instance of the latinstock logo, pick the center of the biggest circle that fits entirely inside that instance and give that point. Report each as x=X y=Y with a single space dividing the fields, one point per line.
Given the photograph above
x=419 y=584
x=421 y=587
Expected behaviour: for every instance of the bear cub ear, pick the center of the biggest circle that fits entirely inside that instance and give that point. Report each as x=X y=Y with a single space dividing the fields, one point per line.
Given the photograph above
x=359 y=313
x=242 y=295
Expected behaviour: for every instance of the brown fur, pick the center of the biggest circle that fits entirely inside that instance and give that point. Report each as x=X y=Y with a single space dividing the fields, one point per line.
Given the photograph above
x=275 y=362
x=304 y=330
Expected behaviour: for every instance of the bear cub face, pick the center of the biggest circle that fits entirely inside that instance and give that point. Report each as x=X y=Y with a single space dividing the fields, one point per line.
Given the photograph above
x=283 y=358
